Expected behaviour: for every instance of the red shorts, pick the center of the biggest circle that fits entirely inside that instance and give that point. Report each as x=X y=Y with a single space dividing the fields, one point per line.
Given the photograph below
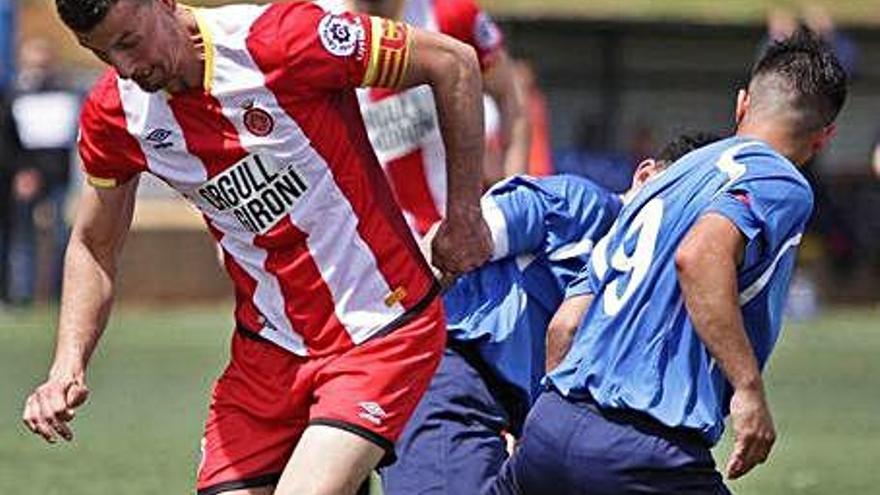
x=267 y=397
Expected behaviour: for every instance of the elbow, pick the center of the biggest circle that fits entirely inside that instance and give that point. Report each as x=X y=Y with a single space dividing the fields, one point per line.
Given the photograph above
x=687 y=260
x=461 y=59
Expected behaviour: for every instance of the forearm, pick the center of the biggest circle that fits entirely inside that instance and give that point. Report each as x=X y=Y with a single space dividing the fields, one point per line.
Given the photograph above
x=459 y=109
x=708 y=283
x=85 y=307
x=90 y=268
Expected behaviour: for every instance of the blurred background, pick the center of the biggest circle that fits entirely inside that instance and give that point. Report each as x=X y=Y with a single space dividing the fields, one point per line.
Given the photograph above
x=610 y=81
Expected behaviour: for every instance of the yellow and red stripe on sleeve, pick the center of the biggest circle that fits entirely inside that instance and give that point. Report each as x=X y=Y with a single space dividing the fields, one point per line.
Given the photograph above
x=389 y=53
x=100 y=182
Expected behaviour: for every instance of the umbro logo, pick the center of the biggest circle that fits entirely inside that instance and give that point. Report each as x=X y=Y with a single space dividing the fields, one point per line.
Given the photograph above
x=372 y=412
x=159 y=138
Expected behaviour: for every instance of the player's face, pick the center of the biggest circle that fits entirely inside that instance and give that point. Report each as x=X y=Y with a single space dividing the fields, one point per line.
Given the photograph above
x=141 y=40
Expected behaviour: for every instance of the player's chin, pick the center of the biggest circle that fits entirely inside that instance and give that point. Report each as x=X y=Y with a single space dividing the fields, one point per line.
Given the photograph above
x=150 y=86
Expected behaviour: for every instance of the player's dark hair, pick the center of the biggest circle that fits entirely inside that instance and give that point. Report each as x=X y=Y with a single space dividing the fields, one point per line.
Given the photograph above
x=682 y=145
x=83 y=15
x=809 y=75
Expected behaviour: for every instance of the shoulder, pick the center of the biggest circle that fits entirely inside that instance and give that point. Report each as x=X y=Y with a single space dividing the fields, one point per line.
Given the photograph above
x=102 y=108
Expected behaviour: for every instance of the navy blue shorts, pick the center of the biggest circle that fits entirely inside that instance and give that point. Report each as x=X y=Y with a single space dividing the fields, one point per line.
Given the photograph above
x=573 y=448
x=452 y=444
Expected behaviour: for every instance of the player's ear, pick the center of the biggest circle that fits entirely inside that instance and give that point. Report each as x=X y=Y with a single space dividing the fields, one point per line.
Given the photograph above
x=822 y=137
x=742 y=105
x=646 y=169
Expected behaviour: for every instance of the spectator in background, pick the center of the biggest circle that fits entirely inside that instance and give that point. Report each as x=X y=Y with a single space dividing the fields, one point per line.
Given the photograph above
x=43 y=111
x=540 y=154
x=781 y=23
x=817 y=18
x=7 y=162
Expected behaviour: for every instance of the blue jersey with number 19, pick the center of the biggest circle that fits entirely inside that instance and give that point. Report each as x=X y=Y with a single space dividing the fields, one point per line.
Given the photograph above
x=636 y=348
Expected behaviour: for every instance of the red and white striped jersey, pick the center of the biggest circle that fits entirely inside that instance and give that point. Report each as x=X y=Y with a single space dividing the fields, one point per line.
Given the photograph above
x=403 y=126
x=274 y=154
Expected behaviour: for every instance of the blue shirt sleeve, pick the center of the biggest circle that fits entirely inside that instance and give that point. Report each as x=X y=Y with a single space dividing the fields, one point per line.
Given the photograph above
x=560 y=216
x=582 y=284
x=769 y=202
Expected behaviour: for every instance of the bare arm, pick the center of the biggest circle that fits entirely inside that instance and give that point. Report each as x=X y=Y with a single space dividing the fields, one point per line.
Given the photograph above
x=507 y=90
x=706 y=263
x=96 y=240
x=451 y=69
x=563 y=326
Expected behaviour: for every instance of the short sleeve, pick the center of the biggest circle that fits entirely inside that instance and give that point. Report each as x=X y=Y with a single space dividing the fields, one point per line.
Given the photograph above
x=467 y=22
x=110 y=155
x=582 y=284
x=515 y=211
x=769 y=204
x=326 y=50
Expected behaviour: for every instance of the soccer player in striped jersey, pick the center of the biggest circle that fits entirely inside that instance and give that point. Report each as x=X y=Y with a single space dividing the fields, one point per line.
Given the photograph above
x=250 y=113
x=543 y=230
x=690 y=284
x=403 y=125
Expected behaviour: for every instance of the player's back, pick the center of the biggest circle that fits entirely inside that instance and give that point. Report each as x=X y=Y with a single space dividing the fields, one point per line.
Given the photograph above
x=637 y=348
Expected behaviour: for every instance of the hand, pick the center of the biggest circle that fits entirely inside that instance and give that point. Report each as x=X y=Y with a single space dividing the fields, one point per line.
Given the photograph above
x=27 y=185
x=462 y=243
x=52 y=405
x=753 y=431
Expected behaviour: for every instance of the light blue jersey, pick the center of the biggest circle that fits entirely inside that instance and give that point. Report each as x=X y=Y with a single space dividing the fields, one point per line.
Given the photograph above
x=636 y=348
x=543 y=230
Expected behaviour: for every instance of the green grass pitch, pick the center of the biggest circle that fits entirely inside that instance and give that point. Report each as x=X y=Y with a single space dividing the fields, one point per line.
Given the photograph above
x=139 y=433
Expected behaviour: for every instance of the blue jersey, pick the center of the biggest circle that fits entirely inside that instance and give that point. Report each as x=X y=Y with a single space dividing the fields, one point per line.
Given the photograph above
x=636 y=347
x=543 y=231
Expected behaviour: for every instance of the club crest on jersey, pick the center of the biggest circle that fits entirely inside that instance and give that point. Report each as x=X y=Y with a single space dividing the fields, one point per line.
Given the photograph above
x=256 y=191
x=257 y=121
x=340 y=36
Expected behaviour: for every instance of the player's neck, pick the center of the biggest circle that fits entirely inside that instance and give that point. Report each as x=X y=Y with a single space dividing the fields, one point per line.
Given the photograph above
x=192 y=63
x=777 y=137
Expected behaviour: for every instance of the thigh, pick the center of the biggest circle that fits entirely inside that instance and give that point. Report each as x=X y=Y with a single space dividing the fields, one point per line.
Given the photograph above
x=541 y=458
x=453 y=443
x=258 y=411
x=329 y=461
x=372 y=389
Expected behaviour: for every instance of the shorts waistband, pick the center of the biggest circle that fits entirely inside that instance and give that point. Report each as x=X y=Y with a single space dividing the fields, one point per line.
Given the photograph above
x=398 y=322
x=641 y=421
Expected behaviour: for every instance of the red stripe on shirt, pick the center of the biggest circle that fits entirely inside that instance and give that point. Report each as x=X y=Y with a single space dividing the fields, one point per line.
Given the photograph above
x=212 y=138
x=208 y=133
x=332 y=121
x=409 y=179
x=308 y=301
x=246 y=312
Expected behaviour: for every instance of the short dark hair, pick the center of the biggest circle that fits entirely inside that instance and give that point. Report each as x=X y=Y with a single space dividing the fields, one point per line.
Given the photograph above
x=803 y=70
x=83 y=15
x=682 y=145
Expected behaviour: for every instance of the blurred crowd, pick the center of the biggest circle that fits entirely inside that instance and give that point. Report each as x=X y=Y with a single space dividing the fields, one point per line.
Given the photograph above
x=37 y=133
x=38 y=130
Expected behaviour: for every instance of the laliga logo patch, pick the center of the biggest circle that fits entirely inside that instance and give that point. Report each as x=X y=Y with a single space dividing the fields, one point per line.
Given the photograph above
x=257 y=120
x=339 y=35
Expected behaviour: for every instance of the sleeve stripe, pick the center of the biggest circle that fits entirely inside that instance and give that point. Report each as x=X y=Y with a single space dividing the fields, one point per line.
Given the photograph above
x=389 y=53
x=497 y=227
x=100 y=182
x=375 y=48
